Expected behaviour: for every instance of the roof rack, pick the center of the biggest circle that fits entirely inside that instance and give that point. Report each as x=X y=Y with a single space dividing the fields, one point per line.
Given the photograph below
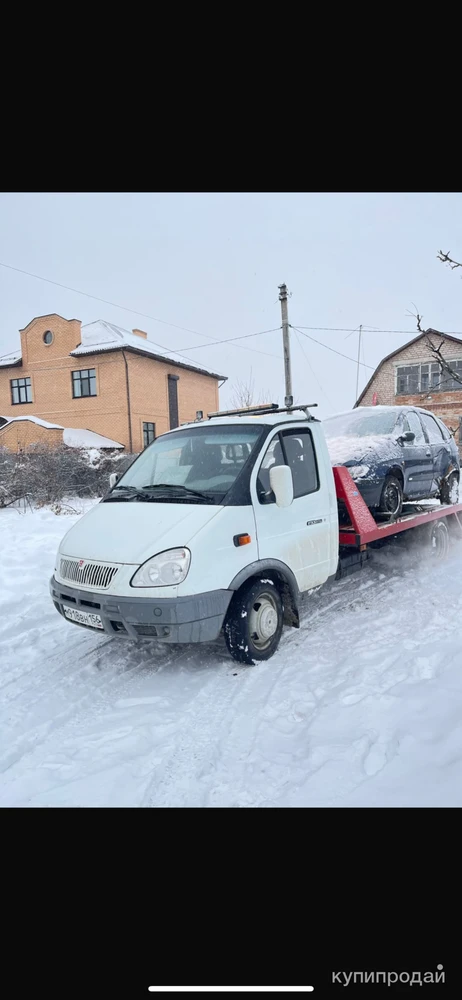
x=266 y=408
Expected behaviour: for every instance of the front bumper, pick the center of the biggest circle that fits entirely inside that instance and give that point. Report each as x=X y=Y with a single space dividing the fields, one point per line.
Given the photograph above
x=179 y=619
x=370 y=490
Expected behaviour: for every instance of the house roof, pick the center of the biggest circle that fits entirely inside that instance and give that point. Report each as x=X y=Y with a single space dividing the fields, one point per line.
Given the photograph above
x=10 y=360
x=101 y=336
x=447 y=336
x=47 y=316
x=73 y=437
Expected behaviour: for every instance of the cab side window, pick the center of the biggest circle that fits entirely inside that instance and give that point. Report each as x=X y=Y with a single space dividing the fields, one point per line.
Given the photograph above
x=295 y=449
x=299 y=451
x=274 y=456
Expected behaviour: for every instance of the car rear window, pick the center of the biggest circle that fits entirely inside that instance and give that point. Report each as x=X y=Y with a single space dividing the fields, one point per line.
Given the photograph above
x=434 y=431
x=444 y=430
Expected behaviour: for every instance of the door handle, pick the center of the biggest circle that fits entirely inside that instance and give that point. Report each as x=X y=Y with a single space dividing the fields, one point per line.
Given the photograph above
x=428 y=454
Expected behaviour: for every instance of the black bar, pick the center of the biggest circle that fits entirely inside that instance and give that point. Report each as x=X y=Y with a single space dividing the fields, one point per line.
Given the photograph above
x=268 y=408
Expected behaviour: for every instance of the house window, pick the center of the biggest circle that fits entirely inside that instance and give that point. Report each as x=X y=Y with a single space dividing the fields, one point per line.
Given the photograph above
x=48 y=337
x=411 y=379
x=21 y=390
x=84 y=383
x=149 y=433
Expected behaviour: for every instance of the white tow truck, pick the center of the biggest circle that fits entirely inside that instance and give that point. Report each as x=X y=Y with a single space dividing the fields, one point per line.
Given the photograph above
x=220 y=526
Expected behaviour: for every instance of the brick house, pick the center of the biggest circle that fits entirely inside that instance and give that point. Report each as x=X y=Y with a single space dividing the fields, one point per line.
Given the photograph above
x=411 y=376
x=103 y=378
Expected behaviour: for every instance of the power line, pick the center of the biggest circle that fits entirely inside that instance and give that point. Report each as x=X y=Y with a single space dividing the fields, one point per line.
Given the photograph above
x=231 y=340
x=311 y=368
x=136 y=312
x=107 y=302
x=169 y=353
x=187 y=329
x=327 y=346
x=376 y=329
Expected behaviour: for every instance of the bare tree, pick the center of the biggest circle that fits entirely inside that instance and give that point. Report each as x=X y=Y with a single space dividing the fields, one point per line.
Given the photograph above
x=447 y=373
x=446 y=259
x=244 y=394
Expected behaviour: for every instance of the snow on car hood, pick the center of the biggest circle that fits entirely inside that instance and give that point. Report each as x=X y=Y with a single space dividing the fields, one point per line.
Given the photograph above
x=133 y=532
x=363 y=450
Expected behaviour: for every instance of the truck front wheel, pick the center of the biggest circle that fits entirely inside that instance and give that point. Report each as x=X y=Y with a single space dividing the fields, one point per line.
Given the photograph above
x=254 y=622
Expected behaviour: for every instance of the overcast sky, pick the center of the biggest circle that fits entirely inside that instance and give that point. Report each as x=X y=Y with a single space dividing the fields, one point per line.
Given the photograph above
x=213 y=263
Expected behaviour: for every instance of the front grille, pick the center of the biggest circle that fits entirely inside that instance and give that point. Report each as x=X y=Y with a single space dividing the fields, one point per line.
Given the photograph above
x=151 y=630
x=89 y=574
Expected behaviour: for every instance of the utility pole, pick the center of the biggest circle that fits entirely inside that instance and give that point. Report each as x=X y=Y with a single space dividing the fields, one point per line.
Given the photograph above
x=289 y=399
x=359 y=358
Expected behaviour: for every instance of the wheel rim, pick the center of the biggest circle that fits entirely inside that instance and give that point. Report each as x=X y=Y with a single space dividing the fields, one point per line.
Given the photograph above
x=391 y=498
x=263 y=620
x=439 y=541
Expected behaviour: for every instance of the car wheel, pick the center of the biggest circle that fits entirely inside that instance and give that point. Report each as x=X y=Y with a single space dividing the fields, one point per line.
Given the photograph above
x=391 y=498
x=254 y=622
x=449 y=492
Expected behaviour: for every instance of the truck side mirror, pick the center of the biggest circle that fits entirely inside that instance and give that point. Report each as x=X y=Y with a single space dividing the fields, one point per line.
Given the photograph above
x=113 y=479
x=282 y=485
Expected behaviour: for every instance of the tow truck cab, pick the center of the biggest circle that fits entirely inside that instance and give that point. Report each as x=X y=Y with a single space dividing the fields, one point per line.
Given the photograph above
x=218 y=525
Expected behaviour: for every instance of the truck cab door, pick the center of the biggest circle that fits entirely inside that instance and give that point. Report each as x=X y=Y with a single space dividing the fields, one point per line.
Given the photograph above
x=299 y=535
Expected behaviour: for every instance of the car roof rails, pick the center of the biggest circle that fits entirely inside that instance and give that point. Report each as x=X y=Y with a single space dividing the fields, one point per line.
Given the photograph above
x=269 y=408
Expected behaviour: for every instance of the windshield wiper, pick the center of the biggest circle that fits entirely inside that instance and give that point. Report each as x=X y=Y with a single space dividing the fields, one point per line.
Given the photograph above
x=162 y=491
x=130 y=491
x=184 y=491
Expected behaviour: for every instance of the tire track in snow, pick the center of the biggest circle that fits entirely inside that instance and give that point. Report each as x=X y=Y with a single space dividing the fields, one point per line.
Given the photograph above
x=225 y=733
x=185 y=777
x=25 y=738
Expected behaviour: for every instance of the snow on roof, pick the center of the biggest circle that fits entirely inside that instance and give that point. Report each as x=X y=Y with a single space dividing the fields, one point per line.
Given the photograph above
x=73 y=437
x=78 y=437
x=36 y=420
x=103 y=336
x=10 y=359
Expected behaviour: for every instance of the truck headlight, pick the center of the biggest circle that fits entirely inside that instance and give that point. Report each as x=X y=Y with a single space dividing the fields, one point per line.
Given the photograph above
x=164 y=570
x=358 y=471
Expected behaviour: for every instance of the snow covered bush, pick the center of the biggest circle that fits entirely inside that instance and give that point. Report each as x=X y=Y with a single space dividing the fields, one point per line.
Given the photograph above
x=47 y=475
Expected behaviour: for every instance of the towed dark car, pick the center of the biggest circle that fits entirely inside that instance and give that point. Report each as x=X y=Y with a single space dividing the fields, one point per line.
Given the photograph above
x=395 y=453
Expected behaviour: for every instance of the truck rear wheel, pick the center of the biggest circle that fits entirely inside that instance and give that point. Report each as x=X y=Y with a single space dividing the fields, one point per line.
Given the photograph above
x=439 y=540
x=254 y=622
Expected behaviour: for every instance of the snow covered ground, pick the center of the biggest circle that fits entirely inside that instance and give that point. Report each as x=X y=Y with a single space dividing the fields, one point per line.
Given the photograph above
x=360 y=707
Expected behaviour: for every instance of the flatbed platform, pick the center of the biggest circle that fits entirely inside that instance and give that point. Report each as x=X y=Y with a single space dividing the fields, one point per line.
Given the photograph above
x=364 y=528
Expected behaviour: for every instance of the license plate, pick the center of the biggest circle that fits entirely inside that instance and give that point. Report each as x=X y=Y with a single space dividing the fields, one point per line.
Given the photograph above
x=83 y=617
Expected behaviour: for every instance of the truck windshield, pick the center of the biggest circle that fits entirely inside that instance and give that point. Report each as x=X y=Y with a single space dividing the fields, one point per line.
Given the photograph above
x=197 y=464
